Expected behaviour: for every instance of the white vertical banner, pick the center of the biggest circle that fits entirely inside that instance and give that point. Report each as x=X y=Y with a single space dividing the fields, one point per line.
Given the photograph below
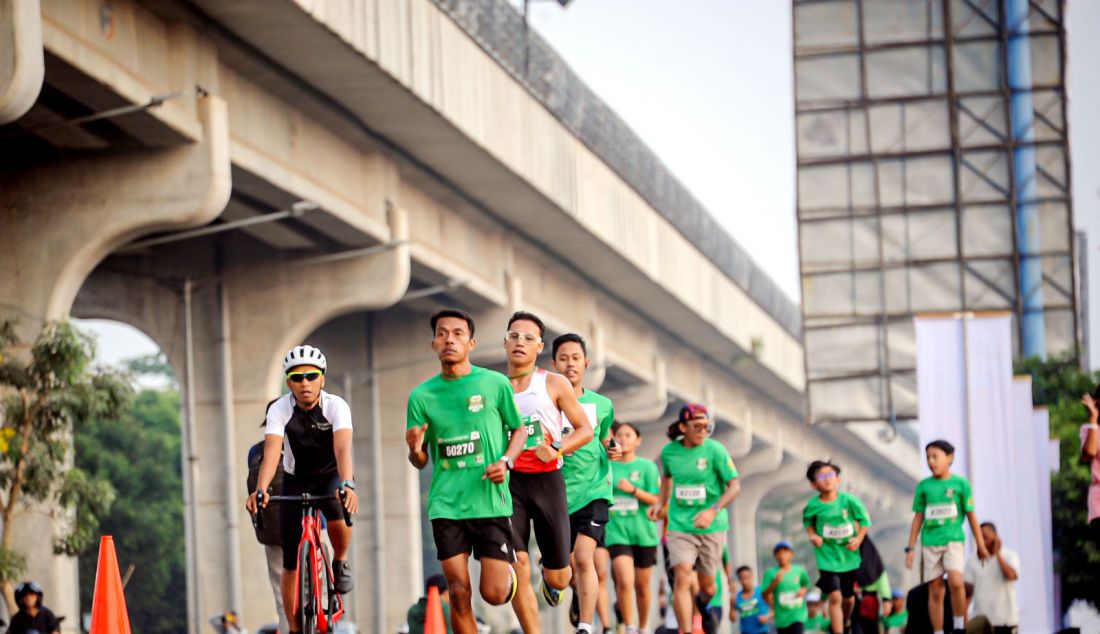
x=1040 y=442
x=941 y=383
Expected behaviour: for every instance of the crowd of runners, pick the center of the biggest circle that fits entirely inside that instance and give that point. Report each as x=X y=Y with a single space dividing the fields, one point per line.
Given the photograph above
x=532 y=453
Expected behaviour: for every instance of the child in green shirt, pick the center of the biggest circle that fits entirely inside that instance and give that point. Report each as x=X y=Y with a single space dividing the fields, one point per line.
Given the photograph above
x=815 y=620
x=785 y=587
x=837 y=523
x=940 y=503
x=898 y=618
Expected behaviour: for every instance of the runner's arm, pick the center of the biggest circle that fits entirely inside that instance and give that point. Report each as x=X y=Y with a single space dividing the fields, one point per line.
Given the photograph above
x=1090 y=446
x=414 y=438
x=914 y=533
x=643 y=496
x=566 y=399
x=515 y=444
x=975 y=527
x=861 y=534
x=733 y=489
x=656 y=511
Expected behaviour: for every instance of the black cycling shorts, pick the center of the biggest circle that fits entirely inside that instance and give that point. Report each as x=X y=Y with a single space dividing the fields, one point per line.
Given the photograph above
x=539 y=498
x=489 y=537
x=833 y=581
x=643 y=556
x=591 y=520
x=290 y=513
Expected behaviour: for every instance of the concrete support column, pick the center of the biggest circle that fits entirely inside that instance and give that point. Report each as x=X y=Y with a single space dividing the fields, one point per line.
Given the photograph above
x=60 y=220
x=23 y=68
x=755 y=486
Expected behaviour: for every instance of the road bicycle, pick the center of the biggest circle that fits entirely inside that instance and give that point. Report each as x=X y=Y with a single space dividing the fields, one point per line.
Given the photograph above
x=316 y=601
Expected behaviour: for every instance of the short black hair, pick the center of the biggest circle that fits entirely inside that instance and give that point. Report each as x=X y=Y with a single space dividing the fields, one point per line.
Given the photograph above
x=523 y=315
x=615 y=425
x=438 y=581
x=942 y=445
x=738 y=571
x=991 y=525
x=566 y=338
x=457 y=314
x=818 y=465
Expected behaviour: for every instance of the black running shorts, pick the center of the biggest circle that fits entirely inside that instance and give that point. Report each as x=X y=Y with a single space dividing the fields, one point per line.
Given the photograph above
x=832 y=581
x=489 y=537
x=589 y=520
x=644 y=556
x=539 y=499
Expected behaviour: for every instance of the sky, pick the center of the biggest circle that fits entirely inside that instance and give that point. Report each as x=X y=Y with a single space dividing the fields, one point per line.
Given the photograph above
x=707 y=85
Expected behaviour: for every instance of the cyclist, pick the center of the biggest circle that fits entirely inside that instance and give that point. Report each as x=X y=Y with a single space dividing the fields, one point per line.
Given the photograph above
x=632 y=538
x=312 y=429
x=546 y=402
x=699 y=477
x=587 y=473
x=460 y=418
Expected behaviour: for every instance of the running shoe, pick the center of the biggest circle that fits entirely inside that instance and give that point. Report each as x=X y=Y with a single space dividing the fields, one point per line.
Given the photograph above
x=343 y=581
x=575 y=610
x=553 y=596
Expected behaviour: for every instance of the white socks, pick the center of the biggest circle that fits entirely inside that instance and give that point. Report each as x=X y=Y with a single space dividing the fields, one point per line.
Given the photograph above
x=584 y=627
x=958 y=622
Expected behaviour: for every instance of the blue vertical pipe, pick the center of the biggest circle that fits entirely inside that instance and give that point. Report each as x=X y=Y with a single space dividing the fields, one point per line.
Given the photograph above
x=1022 y=124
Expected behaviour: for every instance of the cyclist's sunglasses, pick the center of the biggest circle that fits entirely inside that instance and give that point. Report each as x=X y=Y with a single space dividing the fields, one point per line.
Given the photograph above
x=298 y=377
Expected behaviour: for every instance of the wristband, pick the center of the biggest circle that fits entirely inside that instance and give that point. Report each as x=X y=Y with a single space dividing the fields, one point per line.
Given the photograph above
x=348 y=484
x=714 y=507
x=909 y=549
x=507 y=462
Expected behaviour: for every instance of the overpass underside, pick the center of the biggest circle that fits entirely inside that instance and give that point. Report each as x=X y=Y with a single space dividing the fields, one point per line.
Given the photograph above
x=353 y=167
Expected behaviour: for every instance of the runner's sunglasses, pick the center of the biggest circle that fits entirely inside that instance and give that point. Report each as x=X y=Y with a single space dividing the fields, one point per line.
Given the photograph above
x=298 y=377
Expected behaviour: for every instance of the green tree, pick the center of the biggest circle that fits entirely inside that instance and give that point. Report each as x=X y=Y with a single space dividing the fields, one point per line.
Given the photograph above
x=51 y=391
x=1059 y=384
x=140 y=454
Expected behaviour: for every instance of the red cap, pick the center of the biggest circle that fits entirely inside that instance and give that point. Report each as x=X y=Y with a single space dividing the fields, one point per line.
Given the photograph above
x=691 y=410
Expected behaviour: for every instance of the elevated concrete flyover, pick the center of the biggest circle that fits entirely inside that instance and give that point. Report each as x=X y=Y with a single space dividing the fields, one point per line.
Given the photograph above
x=234 y=178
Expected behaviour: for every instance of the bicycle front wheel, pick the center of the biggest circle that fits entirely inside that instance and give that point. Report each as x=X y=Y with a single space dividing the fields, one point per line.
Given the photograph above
x=307 y=592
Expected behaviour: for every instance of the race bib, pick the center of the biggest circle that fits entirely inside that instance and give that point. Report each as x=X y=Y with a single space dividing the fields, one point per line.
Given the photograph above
x=534 y=431
x=691 y=494
x=462 y=452
x=941 y=511
x=625 y=505
x=838 y=532
x=790 y=600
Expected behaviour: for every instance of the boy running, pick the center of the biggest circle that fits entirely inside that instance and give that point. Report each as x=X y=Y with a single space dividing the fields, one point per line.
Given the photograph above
x=460 y=418
x=631 y=537
x=836 y=522
x=587 y=473
x=940 y=502
x=785 y=588
x=749 y=605
x=815 y=619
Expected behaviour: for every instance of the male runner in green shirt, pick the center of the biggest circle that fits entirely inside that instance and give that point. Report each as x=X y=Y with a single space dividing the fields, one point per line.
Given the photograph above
x=587 y=474
x=837 y=523
x=940 y=503
x=785 y=587
x=460 y=418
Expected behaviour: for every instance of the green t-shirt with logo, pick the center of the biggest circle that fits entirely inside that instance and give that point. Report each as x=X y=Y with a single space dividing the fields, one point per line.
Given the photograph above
x=816 y=623
x=835 y=522
x=944 y=504
x=628 y=524
x=789 y=607
x=468 y=419
x=699 y=476
x=587 y=471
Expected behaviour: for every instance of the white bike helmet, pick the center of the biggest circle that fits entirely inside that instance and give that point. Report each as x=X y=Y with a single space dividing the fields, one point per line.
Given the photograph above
x=304 y=355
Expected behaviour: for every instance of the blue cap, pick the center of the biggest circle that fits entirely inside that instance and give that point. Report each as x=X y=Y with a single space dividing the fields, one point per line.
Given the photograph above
x=897 y=594
x=783 y=544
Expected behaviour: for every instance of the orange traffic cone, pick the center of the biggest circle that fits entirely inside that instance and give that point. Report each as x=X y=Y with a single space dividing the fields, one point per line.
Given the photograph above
x=433 y=620
x=108 y=603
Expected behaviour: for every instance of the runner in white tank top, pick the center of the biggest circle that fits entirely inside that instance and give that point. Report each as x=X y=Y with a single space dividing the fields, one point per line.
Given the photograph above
x=544 y=399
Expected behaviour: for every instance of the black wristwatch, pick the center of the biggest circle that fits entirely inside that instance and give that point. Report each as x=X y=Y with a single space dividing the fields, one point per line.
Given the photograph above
x=909 y=549
x=348 y=484
x=556 y=445
x=507 y=462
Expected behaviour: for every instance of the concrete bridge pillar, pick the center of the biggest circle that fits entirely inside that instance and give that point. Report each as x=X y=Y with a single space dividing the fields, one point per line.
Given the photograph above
x=59 y=221
x=758 y=478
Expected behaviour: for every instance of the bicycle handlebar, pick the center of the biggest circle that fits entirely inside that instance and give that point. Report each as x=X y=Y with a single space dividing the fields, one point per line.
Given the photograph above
x=305 y=499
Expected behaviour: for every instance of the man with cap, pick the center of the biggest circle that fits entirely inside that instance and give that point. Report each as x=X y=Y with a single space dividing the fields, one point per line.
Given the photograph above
x=699 y=478
x=418 y=612
x=785 y=588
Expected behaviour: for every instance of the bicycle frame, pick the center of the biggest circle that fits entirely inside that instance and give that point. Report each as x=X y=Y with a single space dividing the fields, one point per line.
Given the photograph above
x=311 y=537
x=319 y=566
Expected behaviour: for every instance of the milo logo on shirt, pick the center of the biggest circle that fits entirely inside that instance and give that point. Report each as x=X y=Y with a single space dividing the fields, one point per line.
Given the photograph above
x=635 y=476
x=475 y=404
x=701 y=464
